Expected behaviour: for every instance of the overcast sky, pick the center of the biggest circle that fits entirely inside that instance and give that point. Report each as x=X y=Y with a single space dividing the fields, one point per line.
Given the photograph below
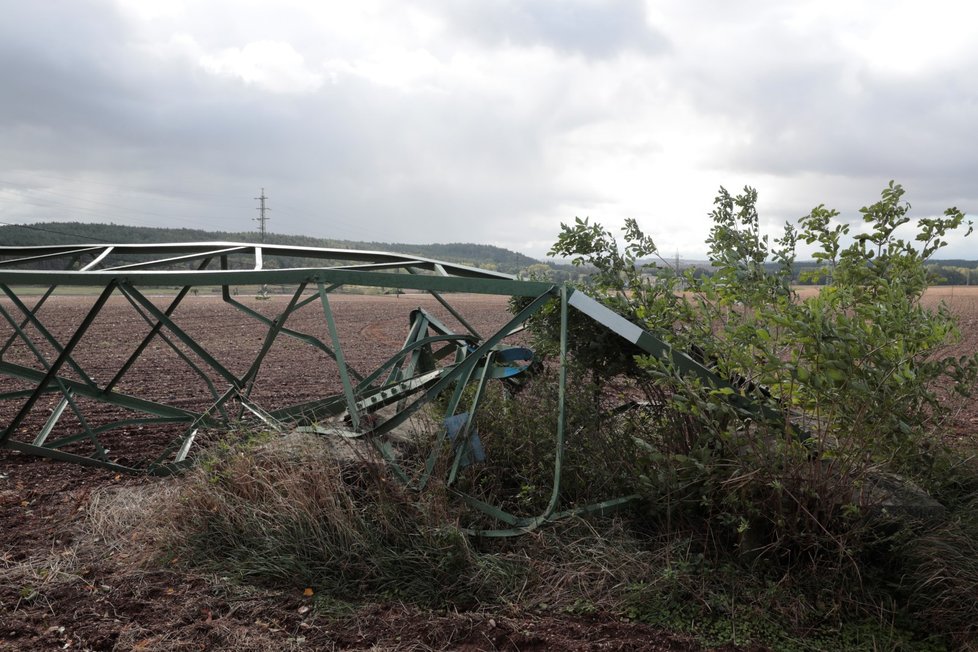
x=487 y=121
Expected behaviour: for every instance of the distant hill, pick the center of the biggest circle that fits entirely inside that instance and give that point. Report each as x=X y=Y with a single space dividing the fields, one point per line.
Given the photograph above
x=956 y=272
x=53 y=233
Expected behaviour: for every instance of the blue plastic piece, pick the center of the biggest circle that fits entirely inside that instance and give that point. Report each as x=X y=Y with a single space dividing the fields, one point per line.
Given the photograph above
x=474 y=452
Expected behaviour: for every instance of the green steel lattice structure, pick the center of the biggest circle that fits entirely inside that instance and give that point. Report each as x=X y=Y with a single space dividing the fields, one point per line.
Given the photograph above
x=43 y=378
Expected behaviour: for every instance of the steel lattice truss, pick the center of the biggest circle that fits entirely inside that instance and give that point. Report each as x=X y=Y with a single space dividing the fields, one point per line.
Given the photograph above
x=44 y=378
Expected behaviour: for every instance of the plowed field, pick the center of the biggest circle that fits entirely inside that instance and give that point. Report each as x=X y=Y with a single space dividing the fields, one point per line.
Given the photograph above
x=59 y=590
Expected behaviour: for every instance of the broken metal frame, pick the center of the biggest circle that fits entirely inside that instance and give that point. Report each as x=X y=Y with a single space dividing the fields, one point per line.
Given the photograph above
x=434 y=361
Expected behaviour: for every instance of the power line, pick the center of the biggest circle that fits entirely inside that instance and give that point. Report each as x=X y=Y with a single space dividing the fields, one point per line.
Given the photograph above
x=33 y=192
x=34 y=174
x=41 y=197
x=354 y=230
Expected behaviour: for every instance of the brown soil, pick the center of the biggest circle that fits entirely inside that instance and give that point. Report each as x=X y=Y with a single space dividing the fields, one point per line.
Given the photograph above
x=371 y=329
x=61 y=587
x=64 y=587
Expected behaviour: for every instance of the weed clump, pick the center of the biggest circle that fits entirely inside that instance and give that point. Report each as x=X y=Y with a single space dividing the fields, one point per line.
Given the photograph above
x=292 y=512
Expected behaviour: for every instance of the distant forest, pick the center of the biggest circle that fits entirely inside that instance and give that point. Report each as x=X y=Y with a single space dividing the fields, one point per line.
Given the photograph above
x=944 y=272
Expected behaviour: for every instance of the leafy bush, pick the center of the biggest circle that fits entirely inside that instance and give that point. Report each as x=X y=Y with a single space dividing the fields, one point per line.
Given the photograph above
x=848 y=379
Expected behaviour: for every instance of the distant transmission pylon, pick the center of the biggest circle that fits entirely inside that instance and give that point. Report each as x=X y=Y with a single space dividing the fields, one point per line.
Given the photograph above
x=262 y=218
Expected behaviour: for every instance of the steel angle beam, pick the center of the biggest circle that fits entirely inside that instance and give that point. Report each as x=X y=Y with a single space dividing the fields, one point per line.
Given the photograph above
x=434 y=369
x=682 y=362
x=52 y=386
x=208 y=277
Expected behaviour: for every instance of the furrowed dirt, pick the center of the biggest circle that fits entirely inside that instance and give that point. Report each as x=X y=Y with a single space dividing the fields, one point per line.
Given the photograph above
x=63 y=588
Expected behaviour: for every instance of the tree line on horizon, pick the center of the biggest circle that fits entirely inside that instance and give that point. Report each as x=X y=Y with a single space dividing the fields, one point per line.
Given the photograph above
x=944 y=272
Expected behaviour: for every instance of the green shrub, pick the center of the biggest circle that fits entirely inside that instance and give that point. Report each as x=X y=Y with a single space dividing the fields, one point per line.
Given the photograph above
x=849 y=379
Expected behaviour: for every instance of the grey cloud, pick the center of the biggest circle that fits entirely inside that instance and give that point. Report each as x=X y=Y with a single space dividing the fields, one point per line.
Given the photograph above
x=444 y=168
x=832 y=118
x=916 y=128
x=586 y=27
x=353 y=160
x=59 y=61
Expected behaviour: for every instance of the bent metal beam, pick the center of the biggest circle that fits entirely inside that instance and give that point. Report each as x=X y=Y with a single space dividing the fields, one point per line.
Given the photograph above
x=45 y=380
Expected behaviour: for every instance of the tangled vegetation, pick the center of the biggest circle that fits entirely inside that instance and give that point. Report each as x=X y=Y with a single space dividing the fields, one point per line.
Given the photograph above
x=841 y=520
x=845 y=498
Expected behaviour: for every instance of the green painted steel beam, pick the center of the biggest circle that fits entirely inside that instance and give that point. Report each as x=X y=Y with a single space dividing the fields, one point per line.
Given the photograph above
x=207 y=257
x=81 y=389
x=302 y=337
x=108 y=427
x=680 y=361
x=409 y=349
x=176 y=349
x=468 y=364
x=177 y=252
x=24 y=255
x=311 y=411
x=409 y=380
x=274 y=329
x=27 y=320
x=154 y=330
x=351 y=403
x=131 y=293
x=62 y=456
x=63 y=356
x=52 y=340
x=497 y=286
